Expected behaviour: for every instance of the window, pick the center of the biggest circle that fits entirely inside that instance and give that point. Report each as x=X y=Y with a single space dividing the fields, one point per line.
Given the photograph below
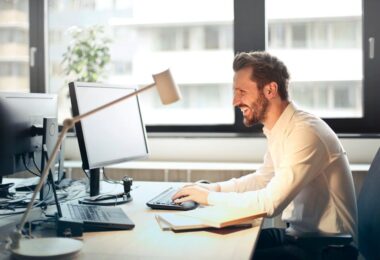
x=326 y=51
x=318 y=44
x=326 y=45
x=14 y=46
x=211 y=37
x=197 y=48
x=299 y=35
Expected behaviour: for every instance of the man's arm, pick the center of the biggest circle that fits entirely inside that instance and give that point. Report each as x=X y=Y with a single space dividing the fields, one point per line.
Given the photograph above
x=303 y=159
x=200 y=192
x=253 y=181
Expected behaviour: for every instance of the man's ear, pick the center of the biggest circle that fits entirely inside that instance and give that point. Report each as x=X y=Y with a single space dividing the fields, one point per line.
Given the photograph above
x=271 y=90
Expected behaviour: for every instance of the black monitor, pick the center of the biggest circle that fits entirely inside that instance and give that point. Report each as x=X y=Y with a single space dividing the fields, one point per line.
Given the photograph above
x=113 y=135
x=28 y=120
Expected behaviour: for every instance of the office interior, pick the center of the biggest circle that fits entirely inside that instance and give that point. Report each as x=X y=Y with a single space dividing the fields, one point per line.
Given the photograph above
x=329 y=46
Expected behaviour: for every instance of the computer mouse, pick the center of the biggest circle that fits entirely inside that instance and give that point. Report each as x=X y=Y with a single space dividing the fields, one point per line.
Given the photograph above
x=188 y=205
x=203 y=182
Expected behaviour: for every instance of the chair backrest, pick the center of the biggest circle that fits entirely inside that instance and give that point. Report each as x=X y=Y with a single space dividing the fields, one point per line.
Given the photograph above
x=369 y=212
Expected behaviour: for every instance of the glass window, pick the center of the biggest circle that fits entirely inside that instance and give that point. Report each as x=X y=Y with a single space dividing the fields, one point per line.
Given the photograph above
x=14 y=46
x=314 y=46
x=211 y=37
x=276 y=35
x=298 y=37
x=197 y=48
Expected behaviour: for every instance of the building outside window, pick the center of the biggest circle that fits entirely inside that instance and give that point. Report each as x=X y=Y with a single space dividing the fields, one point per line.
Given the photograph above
x=312 y=41
x=14 y=46
x=197 y=48
x=323 y=52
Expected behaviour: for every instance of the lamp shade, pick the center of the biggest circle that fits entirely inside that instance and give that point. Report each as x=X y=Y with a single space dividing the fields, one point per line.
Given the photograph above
x=166 y=87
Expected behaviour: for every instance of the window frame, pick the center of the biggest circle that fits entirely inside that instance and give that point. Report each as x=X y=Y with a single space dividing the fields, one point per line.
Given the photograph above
x=249 y=38
x=37 y=39
x=249 y=34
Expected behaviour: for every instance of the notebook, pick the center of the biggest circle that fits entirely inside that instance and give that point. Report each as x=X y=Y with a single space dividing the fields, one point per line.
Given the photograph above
x=210 y=216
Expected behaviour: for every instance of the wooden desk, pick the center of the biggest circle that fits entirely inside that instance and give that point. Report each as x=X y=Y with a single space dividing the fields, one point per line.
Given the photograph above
x=148 y=241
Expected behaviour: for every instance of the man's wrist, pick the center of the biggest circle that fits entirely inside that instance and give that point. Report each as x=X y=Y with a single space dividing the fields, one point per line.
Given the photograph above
x=215 y=187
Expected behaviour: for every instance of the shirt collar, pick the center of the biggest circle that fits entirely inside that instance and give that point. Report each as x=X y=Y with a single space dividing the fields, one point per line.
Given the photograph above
x=282 y=121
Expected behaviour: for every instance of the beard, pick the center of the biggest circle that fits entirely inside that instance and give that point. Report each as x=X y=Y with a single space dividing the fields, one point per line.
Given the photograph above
x=258 y=111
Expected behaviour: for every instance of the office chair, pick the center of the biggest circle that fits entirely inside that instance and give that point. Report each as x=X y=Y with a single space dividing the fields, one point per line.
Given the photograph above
x=338 y=247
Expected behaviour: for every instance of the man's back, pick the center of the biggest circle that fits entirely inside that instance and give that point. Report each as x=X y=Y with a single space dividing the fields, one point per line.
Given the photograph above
x=326 y=202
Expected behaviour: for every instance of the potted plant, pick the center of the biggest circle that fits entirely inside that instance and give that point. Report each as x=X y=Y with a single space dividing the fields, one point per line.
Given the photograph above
x=85 y=59
x=87 y=55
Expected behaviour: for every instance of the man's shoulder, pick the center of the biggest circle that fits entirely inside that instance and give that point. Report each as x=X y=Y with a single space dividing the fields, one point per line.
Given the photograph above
x=310 y=124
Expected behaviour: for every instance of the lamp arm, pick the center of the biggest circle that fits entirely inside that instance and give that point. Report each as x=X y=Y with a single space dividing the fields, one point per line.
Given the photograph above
x=67 y=125
x=44 y=175
x=80 y=117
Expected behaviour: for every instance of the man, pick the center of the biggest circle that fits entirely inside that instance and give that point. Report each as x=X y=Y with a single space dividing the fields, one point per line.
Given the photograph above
x=305 y=174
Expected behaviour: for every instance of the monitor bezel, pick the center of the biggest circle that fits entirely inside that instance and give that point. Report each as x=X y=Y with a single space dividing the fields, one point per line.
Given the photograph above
x=73 y=86
x=34 y=142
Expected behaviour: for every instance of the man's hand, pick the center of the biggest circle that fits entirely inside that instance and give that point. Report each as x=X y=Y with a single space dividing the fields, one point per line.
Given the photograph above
x=192 y=192
x=196 y=192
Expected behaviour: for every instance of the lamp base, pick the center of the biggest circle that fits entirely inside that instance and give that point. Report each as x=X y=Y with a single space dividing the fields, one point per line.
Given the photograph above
x=107 y=199
x=47 y=248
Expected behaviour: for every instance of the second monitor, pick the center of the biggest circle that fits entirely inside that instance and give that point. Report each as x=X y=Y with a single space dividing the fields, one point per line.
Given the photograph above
x=114 y=135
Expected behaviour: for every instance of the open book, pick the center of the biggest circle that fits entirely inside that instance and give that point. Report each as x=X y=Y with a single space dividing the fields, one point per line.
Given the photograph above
x=210 y=216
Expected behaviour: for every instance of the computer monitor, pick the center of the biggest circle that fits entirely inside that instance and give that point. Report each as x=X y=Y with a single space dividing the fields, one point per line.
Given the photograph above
x=24 y=123
x=113 y=135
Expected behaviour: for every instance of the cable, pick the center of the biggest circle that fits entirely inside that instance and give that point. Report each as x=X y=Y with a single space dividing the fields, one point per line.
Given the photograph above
x=21 y=212
x=106 y=179
x=88 y=177
x=35 y=164
x=26 y=166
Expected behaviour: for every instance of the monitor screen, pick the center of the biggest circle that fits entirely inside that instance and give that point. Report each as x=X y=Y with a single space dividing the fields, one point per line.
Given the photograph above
x=19 y=112
x=113 y=135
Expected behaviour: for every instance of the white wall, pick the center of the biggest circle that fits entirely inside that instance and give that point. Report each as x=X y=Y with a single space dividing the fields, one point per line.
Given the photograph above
x=227 y=149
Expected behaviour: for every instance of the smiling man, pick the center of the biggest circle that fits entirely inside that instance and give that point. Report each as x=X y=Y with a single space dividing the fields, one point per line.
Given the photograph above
x=305 y=175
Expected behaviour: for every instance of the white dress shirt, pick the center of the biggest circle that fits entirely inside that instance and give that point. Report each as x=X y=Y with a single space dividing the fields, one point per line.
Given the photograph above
x=305 y=175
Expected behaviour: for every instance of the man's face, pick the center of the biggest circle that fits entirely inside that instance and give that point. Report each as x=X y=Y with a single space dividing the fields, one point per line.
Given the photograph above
x=251 y=101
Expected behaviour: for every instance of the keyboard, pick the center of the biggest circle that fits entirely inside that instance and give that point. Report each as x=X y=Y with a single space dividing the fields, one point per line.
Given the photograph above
x=88 y=213
x=164 y=201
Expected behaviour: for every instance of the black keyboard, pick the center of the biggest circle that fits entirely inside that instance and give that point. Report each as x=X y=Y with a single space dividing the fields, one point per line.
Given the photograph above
x=164 y=201
x=88 y=213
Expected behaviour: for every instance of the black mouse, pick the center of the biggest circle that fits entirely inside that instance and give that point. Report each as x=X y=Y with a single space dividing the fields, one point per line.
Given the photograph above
x=203 y=182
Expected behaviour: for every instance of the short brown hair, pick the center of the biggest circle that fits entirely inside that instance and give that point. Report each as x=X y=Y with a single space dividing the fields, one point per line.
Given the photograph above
x=265 y=69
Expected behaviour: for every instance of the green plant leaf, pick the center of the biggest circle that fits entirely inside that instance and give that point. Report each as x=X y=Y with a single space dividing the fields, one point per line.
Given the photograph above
x=87 y=55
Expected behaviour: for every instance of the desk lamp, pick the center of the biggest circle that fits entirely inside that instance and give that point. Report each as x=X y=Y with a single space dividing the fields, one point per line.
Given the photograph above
x=54 y=246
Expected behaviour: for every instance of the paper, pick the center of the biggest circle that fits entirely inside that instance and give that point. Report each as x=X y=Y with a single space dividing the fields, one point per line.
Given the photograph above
x=222 y=216
x=178 y=222
x=206 y=217
x=165 y=226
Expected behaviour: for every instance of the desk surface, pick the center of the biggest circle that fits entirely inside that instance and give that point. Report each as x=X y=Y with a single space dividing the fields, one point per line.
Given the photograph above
x=148 y=241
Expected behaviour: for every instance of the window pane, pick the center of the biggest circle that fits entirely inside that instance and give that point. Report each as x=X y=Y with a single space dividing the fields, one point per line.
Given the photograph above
x=197 y=48
x=323 y=51
x=14 y=46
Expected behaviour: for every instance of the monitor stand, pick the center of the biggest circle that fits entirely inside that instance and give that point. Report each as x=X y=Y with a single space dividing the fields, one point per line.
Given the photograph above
x=103 y=199
x=49 y=138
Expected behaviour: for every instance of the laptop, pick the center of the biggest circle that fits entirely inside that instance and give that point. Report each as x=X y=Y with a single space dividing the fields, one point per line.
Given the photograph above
x=89 y=217
x=96 y=218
